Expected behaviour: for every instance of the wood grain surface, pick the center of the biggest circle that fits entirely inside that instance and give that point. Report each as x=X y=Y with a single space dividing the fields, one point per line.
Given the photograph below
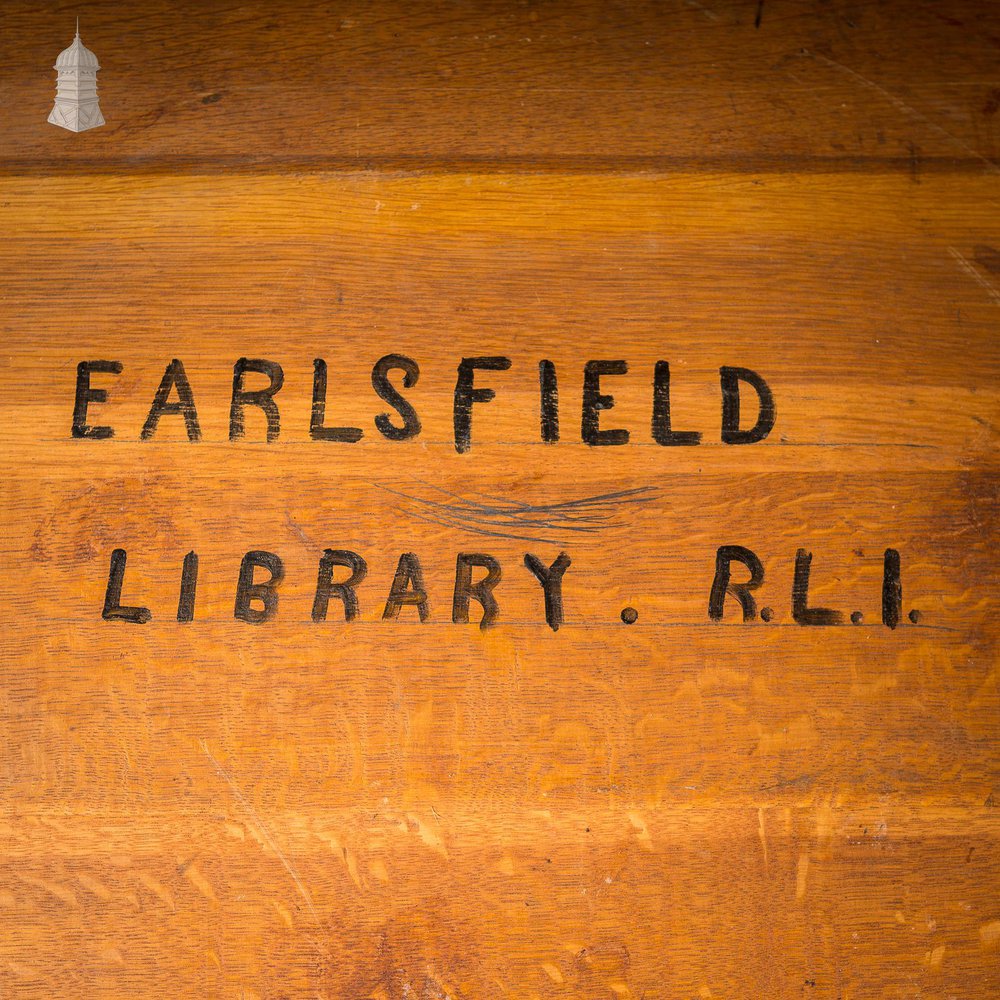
x=677 y=808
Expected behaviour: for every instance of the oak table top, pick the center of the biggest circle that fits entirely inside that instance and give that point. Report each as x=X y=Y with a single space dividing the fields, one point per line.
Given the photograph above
x=391 y=611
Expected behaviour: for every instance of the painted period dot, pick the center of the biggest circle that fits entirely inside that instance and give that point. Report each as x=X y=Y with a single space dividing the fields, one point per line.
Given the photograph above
x=914 y=616
x=766 y=614
x=857 y=617
x=630 y=616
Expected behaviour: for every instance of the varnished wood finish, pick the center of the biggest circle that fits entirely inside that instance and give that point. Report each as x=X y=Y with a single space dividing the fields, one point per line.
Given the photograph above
x=675 y=808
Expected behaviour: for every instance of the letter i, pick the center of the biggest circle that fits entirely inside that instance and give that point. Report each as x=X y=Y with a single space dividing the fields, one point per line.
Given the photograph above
x=892 y=589
x=189 y=584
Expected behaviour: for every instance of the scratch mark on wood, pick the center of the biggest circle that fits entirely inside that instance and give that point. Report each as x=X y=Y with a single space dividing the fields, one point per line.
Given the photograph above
x=300 y=533
x=262 y=829
x=979 y=279
x=710 y=14
x=897 y=102
x=585 y=515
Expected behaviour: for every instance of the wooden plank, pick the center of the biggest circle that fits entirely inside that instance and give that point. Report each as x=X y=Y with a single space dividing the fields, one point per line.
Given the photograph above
x=677 y=807
x=283 y=84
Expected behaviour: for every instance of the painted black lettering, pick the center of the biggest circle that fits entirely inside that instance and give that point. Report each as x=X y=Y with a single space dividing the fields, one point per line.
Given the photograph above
x=267 y=592
x=481 y=590
x=662 y=430
x=344 y=589
x=264 y=398
x=731 y=433
x=85 y=395
x=114 y=610
x=548 y=387
x=722 y=584
x=317 y=431
x=388 y=392
x=594 y=401
x=407 y=588
x=892 y=589
x=189 y=585
x=550 y=577
x=801 y=611
x=466 y=394
x=173 y=376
